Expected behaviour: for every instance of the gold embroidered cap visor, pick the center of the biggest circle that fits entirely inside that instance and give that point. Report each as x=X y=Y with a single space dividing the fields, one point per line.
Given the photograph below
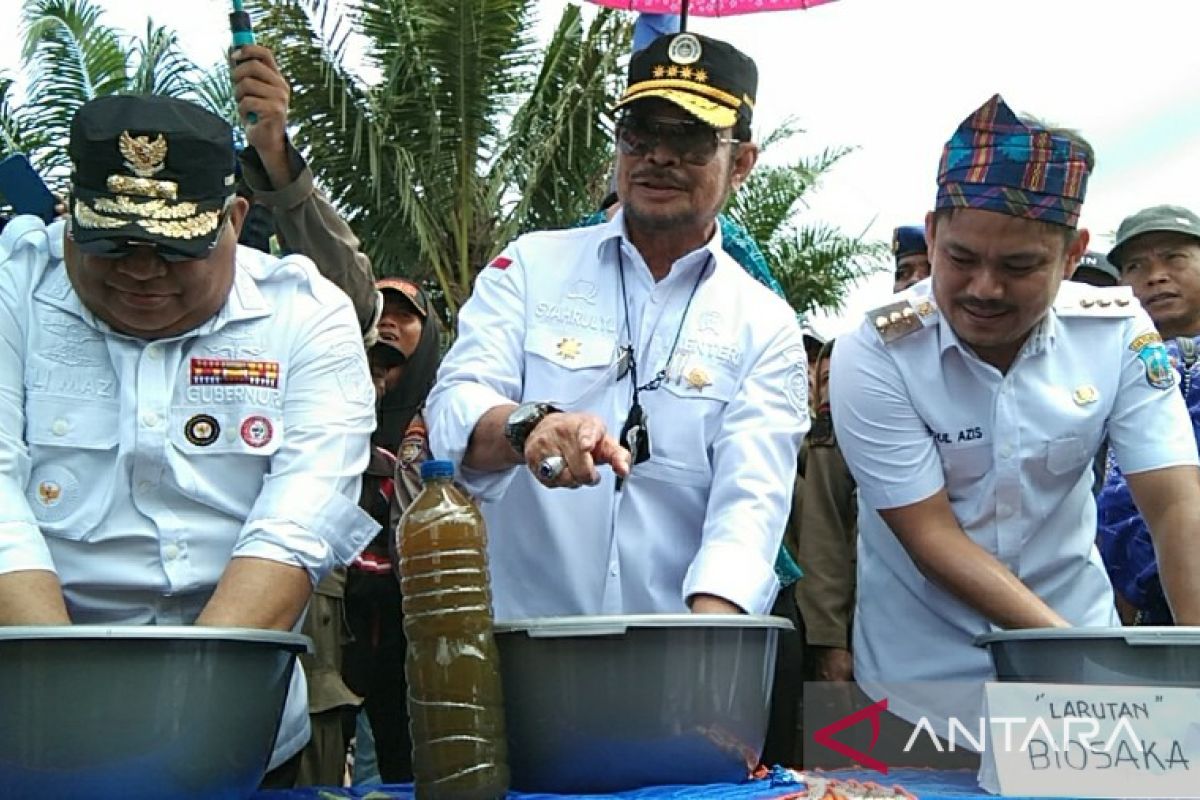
x=107 y=225
x=710 y=112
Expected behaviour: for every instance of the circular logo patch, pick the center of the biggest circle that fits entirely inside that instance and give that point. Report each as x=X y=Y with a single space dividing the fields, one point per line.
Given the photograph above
x=685 y=49
x=53 y=493
x=202 y=430
x=257 y=431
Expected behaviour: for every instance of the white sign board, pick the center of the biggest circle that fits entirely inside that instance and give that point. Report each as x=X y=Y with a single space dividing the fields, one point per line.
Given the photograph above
x=1046 y=740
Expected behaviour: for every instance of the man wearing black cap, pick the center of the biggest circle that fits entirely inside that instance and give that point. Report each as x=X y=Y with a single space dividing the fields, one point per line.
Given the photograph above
x=184 y=421
x=1096 y=270
x=637 y=344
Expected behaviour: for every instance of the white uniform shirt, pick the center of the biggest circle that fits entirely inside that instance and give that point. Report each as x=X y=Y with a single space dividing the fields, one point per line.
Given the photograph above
x=136 y=470
x=1014 y=452
x=706 y=513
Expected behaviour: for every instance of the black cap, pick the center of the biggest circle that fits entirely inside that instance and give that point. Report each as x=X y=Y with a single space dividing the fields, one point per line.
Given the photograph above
x=1095 y=269
x=710 y=79
x=908 y=239
x=408 y=290
x=149 y=168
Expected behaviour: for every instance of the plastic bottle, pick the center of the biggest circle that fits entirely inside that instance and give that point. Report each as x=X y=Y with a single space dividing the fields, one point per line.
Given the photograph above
x=455 y=700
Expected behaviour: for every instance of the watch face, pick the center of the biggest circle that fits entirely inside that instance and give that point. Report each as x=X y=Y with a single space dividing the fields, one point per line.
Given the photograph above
x=521 y=423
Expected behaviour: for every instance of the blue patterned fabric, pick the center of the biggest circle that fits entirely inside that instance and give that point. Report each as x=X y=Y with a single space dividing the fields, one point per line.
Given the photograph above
x=1123 y=538
x=996 y=162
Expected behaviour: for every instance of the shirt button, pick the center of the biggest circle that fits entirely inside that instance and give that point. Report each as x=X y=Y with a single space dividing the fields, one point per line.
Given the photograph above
x=170 y=552
x=150 y=419
x=145 y=486
x=60 y=427
x=1005 y=451
x=154 y=352
x=1003 y=510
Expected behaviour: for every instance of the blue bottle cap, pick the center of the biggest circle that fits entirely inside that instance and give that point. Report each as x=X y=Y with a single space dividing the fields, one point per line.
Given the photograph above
x=436 y=468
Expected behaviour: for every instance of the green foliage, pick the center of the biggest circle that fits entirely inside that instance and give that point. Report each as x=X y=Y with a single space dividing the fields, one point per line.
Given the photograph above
x=471 y=134
x=70 y=56
x=816 y=264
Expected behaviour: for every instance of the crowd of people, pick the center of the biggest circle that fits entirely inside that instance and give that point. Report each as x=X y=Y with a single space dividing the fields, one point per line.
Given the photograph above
x=195 y=430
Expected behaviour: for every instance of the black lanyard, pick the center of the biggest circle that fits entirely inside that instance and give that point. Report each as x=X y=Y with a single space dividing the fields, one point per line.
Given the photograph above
x=635 y=433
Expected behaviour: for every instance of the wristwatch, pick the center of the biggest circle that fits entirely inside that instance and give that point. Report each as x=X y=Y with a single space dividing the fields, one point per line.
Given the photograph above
x=523 y=420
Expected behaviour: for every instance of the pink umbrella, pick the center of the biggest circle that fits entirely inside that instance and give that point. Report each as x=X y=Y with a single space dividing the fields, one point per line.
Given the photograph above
x=708 y=8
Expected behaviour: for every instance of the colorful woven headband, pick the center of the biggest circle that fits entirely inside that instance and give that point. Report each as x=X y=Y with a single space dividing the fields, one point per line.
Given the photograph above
x=996 y=162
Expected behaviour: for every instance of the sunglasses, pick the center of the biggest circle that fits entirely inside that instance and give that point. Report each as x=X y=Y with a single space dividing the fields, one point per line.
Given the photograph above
x=694 y=142
x=113 y=249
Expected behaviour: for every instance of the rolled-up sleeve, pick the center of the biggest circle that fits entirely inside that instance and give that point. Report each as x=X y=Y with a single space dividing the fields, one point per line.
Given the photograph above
x=484 y=369
x=307 y=513
x=886 y=444
x=1149 y=425
x=754 y=469
x=24 y=246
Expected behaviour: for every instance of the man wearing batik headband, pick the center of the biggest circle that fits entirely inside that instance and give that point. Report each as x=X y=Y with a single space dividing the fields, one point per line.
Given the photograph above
x=183 y=422
x=969 y=409
x=639 y=345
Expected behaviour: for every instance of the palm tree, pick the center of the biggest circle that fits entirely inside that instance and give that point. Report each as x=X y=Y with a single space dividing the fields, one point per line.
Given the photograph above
x=70 y=56
x=471 y=136
x=815 y=263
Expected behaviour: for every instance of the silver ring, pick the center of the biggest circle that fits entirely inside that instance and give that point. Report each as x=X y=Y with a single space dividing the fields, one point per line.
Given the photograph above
x=551 y=467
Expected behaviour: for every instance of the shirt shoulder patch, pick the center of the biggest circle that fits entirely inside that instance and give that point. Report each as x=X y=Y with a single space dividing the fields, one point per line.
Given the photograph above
x=1113 y=302
x=902 y=317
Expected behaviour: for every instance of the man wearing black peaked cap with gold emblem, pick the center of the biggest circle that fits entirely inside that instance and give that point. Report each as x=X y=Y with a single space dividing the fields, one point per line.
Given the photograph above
x=183 y=422
x=635 y=362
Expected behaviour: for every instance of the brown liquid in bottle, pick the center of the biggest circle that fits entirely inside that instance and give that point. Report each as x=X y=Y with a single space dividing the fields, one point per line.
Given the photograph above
x=455 y=702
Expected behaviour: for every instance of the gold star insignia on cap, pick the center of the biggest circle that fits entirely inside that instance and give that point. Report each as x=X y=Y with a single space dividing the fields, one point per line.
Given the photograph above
x=700 y=76
x=697 y=378
x=1085 y=395
x=672 y=71
x=659 y=71
x=685 y=73
x=569 y=348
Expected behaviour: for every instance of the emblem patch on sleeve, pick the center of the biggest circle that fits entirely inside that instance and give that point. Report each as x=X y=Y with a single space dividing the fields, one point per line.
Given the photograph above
x=1155 y=360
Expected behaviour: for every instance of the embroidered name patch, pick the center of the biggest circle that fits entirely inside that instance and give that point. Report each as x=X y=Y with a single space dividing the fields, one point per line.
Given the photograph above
x=234 y=372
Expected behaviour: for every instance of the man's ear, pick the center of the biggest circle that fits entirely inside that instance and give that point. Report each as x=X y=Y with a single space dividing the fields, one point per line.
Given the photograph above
x=1076 y=251
x=237 y=214
x=745 y=157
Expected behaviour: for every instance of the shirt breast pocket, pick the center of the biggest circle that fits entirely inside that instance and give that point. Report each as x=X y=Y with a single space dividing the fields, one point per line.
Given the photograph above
x=964 y=465
x=567 y=369
x=684 y=417
x=219 y=456
x=73 y=448
x=1067 y=454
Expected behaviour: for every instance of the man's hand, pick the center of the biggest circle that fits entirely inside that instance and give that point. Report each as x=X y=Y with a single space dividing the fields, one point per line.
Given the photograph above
x=582 y=440
x=833 y=664
x=711 y=604
x=259 y=87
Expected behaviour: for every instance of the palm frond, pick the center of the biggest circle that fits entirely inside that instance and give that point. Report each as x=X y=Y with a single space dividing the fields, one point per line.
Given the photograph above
x=161 y=67
x=70 y=57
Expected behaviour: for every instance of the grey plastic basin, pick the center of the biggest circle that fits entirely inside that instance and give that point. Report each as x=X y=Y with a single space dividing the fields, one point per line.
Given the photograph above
x=1113 y=656
x=140 y=712
x=605 y=704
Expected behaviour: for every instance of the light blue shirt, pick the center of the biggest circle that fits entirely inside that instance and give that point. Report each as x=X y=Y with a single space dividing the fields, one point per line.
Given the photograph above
x=135 y=470
x=1014 y=453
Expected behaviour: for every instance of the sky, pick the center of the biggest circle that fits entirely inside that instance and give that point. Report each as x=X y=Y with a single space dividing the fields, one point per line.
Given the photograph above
x=893 y=78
